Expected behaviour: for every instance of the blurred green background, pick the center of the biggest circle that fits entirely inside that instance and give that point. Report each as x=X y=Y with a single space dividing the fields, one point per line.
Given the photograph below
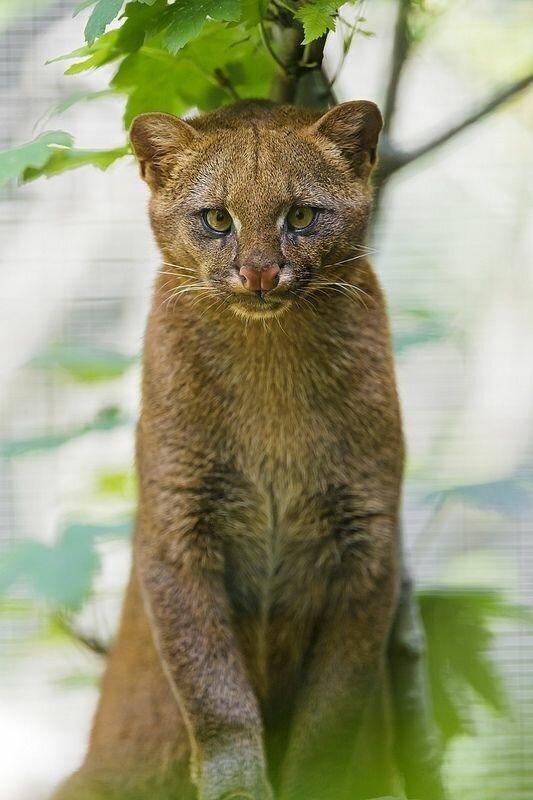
x=453 y=239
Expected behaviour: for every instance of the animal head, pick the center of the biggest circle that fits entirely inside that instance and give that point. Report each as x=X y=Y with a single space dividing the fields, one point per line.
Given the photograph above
x=256 y=202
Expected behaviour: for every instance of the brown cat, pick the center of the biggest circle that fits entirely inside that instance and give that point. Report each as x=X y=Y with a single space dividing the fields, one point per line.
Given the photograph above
x=266 y=556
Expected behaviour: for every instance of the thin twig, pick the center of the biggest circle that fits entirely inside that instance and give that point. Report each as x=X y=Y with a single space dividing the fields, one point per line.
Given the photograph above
x=396 y=159
x=286 y=6
x=268 y=46
x=226 y=84
x=90 y=642
x=352 y=28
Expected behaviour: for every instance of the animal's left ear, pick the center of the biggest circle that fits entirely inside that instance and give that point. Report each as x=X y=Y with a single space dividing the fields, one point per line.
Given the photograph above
x=354 y=128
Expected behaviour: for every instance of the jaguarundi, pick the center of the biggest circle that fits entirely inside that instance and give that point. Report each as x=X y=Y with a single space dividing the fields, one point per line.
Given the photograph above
x=251 y=660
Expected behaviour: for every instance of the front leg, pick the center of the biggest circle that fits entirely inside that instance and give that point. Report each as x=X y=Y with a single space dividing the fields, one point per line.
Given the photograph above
x=346 y=662
x=180 y=563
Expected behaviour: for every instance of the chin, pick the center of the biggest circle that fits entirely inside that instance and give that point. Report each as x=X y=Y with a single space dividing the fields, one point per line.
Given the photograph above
x=259 y=311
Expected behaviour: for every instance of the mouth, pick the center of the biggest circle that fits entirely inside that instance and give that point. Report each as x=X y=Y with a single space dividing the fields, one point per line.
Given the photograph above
x=259 y=308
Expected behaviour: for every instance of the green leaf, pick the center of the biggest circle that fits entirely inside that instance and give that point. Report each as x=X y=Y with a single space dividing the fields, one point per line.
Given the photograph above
x=317 y=17
x=253 y=11
x=418 y=326
x=507 y=496
x=189 y=17
x=458 y=625
x=227 y=50
x=10 y=448
x=72 y=100
x=32 y=155
x=106 y=419
x=79 y=51
x=82 y=6
x=142 y=20
x=63 y=160
x=60 y=574
x=49 y=154
x=156 y=81
x=95 y=60
x=83 y=363
x=120 y=483
x=104 y=50
x=102 y=14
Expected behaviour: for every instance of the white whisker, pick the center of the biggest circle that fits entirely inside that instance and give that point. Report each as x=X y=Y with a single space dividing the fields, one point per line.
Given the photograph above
x=348 y=286
x=281 y=327
x=176 y=274
x=348 y=290
x=176 y=292
x=178 y=266
x=345 y=260
x=308 y=301
x=202 y=292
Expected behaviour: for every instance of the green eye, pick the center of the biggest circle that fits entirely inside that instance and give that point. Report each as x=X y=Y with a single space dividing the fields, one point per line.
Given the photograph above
x=218 y=219
x=300 y=217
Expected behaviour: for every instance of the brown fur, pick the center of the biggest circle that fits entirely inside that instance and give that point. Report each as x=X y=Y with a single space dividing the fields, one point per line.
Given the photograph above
x=270 y=460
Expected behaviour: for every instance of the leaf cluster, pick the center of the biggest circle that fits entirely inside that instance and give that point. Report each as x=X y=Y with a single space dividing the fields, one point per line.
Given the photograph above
x=61 y=574
x=171 y=57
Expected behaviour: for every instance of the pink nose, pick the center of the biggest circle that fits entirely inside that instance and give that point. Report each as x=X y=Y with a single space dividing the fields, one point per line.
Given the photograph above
x=260 y=280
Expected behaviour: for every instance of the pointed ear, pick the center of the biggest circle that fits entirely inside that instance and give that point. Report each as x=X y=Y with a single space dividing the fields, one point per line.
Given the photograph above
x=354 y=128
x=155 y=138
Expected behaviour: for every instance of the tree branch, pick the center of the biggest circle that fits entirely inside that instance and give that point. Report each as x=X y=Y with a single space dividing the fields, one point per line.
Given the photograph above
x=299 y=65
x=400 y=50
x=393 y=159
x=399 y=55
x=289 y=41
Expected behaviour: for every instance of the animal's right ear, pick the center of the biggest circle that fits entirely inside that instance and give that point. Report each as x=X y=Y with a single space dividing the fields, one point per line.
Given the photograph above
x=156 y=140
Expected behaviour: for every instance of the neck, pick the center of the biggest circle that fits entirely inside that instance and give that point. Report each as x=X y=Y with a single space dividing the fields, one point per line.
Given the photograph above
x=283 y=372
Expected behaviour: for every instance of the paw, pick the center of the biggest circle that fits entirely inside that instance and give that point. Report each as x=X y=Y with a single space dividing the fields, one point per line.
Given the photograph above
x=229 y=776
x=259 y=793
x=242 y=796
x=263 y=792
